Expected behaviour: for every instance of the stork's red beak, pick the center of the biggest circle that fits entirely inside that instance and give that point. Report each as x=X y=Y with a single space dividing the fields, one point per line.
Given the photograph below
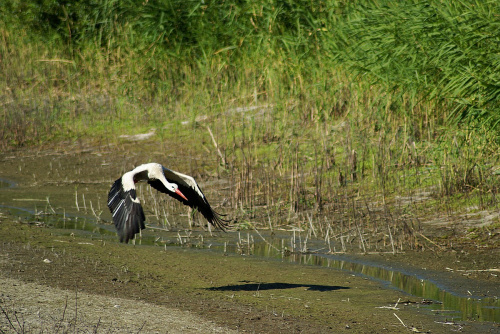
x=178 y=192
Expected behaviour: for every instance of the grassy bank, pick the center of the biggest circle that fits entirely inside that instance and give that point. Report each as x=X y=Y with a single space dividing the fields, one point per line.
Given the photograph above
x=354 y=122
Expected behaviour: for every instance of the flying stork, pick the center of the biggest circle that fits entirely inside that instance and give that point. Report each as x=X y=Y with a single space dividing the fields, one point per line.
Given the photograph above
x=126 y=208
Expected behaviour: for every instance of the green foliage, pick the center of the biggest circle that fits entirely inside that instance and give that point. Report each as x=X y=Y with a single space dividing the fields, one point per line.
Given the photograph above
x=445 y=50
x=182 y=28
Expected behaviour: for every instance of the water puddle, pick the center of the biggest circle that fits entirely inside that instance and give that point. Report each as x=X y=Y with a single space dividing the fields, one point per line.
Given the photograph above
x=4 y=183
x=435 y=297
x=69 y=224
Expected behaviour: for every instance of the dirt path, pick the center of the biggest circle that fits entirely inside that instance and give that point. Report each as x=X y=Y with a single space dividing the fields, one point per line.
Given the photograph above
x=36 y=308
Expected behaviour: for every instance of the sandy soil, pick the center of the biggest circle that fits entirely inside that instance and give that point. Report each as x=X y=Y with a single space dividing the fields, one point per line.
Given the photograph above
x=36 y=308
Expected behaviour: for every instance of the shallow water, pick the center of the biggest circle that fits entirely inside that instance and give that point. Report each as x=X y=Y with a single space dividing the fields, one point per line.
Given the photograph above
x=436 y=297
x=4 y=183
x=70 y=223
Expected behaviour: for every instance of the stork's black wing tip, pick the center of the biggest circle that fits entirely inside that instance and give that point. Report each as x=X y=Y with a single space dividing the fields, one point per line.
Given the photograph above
x=128 y=215
x=123 y=239
x=126 y=237
x=219 y=222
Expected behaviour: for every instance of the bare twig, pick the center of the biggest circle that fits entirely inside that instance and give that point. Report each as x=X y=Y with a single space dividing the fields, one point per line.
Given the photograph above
x=267 y=242
x=216 y=146
x=11 y=324
x=429 y=240
x=401 y=321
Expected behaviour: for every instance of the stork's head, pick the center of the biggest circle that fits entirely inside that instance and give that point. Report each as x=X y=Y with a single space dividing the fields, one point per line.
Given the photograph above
x=175 y=189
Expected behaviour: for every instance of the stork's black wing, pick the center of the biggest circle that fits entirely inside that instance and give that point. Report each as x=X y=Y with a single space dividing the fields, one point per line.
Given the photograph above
x=195 y=197
x=127 y=212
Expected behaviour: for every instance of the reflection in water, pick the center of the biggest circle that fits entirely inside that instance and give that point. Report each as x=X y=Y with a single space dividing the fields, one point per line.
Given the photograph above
x=84 y=226
x=456 y=307
x=4 y=183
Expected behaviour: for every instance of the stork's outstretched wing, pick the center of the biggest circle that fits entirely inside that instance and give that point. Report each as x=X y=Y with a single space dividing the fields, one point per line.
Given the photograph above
x=196 y=199
x=127 y=212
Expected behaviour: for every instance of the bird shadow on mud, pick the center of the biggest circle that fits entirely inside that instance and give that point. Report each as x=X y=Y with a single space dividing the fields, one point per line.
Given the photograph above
x=251 y=286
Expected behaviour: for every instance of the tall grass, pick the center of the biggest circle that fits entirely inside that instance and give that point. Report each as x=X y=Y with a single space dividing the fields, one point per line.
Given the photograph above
x=332 y=116
x=444 y=51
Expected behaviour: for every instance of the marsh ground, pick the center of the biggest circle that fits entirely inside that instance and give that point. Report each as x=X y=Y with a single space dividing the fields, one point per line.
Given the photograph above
x=56 y=282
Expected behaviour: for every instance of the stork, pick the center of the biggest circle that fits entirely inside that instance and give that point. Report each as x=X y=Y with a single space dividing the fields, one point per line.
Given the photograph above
x=126 y=208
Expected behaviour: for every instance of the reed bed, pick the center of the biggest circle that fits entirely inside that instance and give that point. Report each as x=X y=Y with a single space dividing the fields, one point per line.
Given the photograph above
x=357 y=122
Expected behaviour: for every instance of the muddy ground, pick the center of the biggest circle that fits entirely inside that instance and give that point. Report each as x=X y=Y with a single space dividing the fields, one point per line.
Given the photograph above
x=55 y=282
